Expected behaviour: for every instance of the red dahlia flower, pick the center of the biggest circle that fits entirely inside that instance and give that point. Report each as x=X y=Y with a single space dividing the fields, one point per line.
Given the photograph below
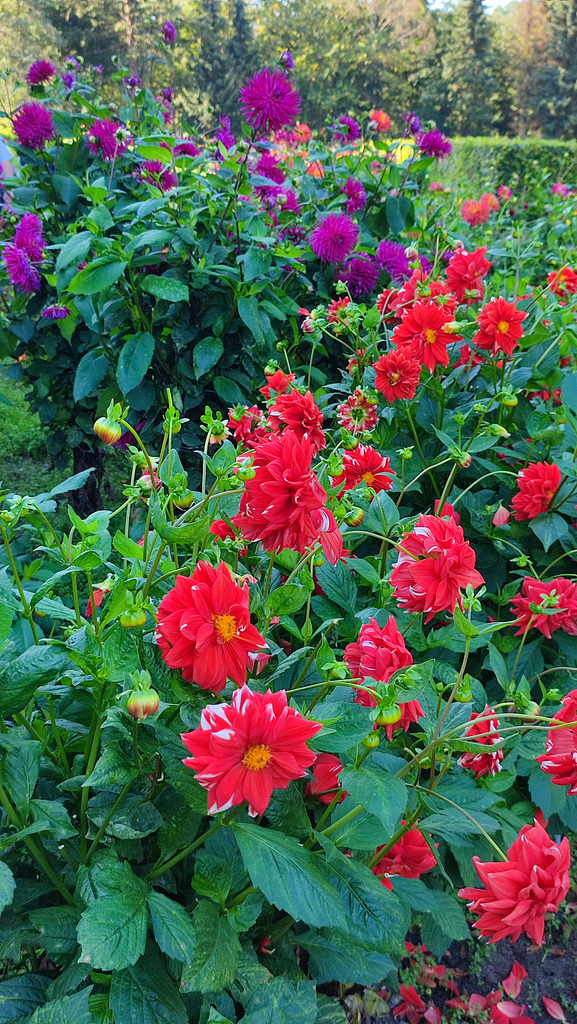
x=421 y=288
x=270 y=100
x=499 y=327
x=246 y=749
x=410 y=857
x=283 y=505
x=518 y=892
x=277 y=382
x=475 y=212
x=301 y=414
x=412 y=1006
x=538 y=484
x=397 y=375
x=491 y=200
x=358 y=413
x=365 y=465
x=435 y=562
x=380 y=121
x=487 y=733
x=465 y=273
x=336 y=310
x=558 y=596
x=560 y=757
x=562 y=282
x=377 y=653
x=423 y=336
x=447 y=510
x=325 y=784
x=204 y=628
x=245 y=423
x=221 y=529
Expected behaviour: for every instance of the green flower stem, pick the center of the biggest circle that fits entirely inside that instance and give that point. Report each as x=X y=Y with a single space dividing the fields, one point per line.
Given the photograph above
x=420 y=450
x=95 y=619
x=119 y=800
x=153 y=568
x=136 y=437
x=431 y=792
x=35 y=847
x=92 y=747
x=521 y=645
x=495 y=472
x=74 y=582
x=447 y=488
x=242 y=896
x=343 y=821
x=328 y=809
x=56 y=735
x=25 y=606
x=159 y=868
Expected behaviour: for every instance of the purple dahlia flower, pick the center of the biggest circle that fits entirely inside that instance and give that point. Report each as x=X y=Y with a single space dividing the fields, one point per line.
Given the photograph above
x=169 y=32
x=19 y=268
x=55 y=313
x=347 y=129
x=286 y=60
x=40 y=71
x=334 y=238
x=33 y=125
x=107 y=138
x=157 y=173
x=224 y=134
x=391 y=257
x=356 y=195
x=270 y=100
x=30 y=237
x=434 y=143
x=360 y=274
x=69 y=79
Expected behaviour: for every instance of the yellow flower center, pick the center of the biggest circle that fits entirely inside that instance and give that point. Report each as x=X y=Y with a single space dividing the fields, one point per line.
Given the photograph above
x=503 y=326
x=394 y=377
x=430 y=336
x=368 y=477
x=225 y=626
x=257 y=757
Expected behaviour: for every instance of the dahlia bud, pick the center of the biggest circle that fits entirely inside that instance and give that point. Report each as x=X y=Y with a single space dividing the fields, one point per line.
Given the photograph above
x=501 y=516
x=355 y=516
x=107 y=429
x=334 y=465
x=496 y=430
x=130 y=618
x=466 y=460
x=372 y=740
x=145 y=483
x=509 y=400
x=143 y=703
x=463 y=693
x=389 y=715
x=183 y=497
x=453 y=328
x=308 y=325
x=348 y=441
x=246 y=472
x=411 y=253
x=405 y=453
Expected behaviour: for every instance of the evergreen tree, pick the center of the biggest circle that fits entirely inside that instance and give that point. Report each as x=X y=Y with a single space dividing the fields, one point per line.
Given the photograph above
x=559 y=77
x=469 y=69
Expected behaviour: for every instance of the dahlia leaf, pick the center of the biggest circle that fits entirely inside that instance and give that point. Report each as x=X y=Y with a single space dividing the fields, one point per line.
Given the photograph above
x=56 y=927
x=206 y=354
x=20 y=766
x=380 y=793
x=335 y=958
x=172 y=927
x=134 y=360
x=291 y=878
x=145 y=994
x=167 y=288
x=69 y=1009
x=216 y=953
x=90 y=373
x=112 y=931
x=7 y=886
x=282 y=1002
x=549 y=528
x=74 y=250
x=97 y=276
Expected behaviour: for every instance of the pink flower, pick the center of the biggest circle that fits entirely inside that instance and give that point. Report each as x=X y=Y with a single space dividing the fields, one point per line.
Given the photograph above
x=33 y=125
x=334 y=238
x=157 y=173
x=270 y=100
x=40 y=71
x=107 y=138
x=30 y=237
x=19 y=268
x=356 y=195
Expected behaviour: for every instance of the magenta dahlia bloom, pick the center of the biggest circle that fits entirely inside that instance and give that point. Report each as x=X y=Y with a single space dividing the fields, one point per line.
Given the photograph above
x=224 y=134
x=19 y=268
x=107 y=138
x=270 y=100
x=185 y=147
x=157 y=173
x=169 y=32
x=30 y=237
x=347 y=129
x=391 y=257
x=356 y=195
x=360 y=274
x=269 y=167
x=434 y=143
x=33 y=125
x=40 y=71
x=413 y=122
x=334 y=238
x=55 y=313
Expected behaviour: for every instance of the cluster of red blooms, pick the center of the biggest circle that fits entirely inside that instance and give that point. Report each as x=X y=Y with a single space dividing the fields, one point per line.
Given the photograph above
x=478 y=211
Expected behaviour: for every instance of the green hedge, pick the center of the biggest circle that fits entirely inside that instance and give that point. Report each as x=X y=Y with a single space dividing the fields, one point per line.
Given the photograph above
x=481 y=164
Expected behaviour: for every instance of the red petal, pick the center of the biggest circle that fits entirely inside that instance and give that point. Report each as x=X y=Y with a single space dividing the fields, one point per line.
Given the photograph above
x=553 y=1008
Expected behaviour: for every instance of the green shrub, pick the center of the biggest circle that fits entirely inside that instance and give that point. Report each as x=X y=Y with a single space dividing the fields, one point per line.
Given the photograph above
x=478 y=164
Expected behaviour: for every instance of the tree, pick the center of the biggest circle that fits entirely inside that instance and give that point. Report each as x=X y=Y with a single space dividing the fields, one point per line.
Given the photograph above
x=559 y=76
x=469 y=69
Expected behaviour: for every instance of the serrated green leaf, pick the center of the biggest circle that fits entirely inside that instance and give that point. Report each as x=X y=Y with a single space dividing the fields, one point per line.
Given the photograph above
x=19 y=996
x=216 y=953
x=7 y=886
x=291 y=878
x=380 y=793
x=112 y=931
x=282 y=1002
x=134 y=360
x=172 y=928
x=145 y=994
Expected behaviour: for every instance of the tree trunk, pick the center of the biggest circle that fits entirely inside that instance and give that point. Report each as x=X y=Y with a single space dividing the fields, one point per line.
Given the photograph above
x=88 y=499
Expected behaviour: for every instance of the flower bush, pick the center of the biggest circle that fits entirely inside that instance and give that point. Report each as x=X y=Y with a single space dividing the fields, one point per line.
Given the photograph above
x=257 y=718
